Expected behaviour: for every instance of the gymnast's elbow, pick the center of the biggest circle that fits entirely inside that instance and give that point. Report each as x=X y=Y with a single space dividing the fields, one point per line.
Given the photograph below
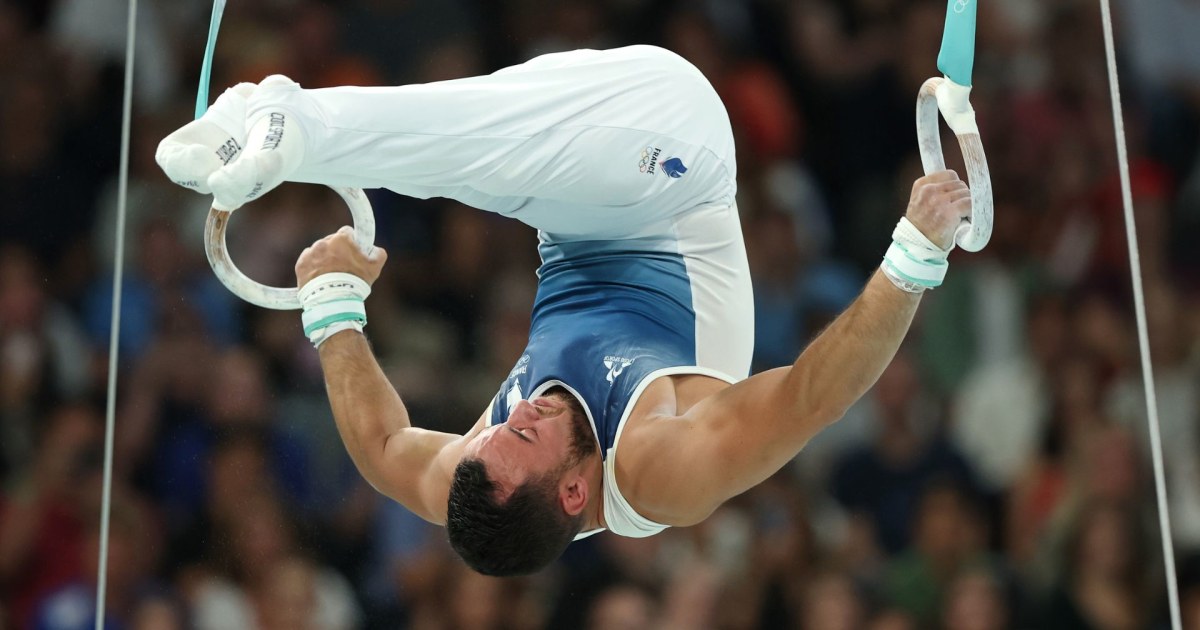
x=369 y=457
x=812 y=421
x=813 y=409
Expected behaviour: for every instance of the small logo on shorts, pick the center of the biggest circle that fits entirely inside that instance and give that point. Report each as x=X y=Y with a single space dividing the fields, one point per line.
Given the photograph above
x=674 y=167
x=649 y=163
x=615 y=366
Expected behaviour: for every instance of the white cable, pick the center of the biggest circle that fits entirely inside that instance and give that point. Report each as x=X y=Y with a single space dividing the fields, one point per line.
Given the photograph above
x=1139 y=301
x=114 y=336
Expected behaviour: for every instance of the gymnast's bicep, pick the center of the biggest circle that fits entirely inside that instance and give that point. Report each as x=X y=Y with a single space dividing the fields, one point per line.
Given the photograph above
x=723 y=446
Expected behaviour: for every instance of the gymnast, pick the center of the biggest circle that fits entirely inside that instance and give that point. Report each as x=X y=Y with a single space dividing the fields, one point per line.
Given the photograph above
x=630 y=408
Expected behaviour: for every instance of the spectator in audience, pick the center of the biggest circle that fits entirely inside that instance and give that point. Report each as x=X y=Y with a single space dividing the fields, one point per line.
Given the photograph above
x=1102 y=332
x=795 y=294
x=256 y=566
x=43 y=357
x=1176 y=374
x=476 y=601
x=948 y=538
x=237 y=473
x=163 y=291
x=408 y=557
x=159 y=611
x=43 y=526
x=132 y=554
x=92 y=33
x=691 y=597
x=41 y=213
x=1166 y=72
x=884 y=480
x=235 y=399
x=783 y=556
x=1002 y=407
x=1106 y=583
x=626 y=607
x=833 y=602
x=975 y=601
x=296 y=594
x=1107 y=470
x=1038 y=494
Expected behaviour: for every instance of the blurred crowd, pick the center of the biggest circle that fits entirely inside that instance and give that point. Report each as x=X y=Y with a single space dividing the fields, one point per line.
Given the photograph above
x=998 y=476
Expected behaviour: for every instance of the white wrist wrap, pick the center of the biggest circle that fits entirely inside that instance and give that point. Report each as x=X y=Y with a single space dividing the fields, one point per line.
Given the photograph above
x=333 y=302
x=913 y=263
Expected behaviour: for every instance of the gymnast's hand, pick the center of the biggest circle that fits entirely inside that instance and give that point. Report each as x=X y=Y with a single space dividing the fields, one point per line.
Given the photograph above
x=939 y=203
x=338 y=253
x=230 y=156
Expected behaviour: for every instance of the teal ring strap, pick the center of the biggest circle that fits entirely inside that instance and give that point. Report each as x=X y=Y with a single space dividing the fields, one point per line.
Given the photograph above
x=957 y=57
x=214 y=25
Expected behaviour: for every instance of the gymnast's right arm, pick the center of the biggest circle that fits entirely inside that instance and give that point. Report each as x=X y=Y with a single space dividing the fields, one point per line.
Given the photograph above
x=411 y=465
x=408 y=464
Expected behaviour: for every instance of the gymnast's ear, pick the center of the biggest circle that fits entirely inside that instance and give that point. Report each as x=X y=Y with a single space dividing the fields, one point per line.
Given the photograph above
x=573 y=493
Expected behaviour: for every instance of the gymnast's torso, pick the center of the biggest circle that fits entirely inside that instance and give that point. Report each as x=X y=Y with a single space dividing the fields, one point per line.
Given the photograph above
x=611 y=318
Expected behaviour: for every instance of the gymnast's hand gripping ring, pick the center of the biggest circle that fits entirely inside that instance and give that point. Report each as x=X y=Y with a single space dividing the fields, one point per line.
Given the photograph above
x=273 y=297
x=950 y=99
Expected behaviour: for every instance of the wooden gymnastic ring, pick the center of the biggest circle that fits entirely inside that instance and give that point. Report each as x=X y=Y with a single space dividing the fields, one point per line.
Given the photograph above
x=274 y=297
x=942 y=96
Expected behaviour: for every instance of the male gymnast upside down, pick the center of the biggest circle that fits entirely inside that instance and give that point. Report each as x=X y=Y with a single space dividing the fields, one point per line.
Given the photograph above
x=641 y=331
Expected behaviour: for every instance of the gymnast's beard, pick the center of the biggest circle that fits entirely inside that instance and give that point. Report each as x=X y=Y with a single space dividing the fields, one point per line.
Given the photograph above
x=583 y=440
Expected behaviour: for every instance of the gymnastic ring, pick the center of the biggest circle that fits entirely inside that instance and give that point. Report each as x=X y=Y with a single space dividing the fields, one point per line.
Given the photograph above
x=941 y=95
x=274 y=297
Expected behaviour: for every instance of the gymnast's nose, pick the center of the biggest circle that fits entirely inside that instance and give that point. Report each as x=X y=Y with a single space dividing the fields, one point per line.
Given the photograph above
x=523 y=413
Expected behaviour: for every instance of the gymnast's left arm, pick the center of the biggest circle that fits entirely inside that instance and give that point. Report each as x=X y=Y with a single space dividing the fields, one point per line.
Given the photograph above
x=740 y=436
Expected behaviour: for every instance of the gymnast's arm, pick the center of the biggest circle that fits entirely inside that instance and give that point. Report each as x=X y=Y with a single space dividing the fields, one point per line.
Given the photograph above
x=411 y=465
x=740 y=436
x=737 y=438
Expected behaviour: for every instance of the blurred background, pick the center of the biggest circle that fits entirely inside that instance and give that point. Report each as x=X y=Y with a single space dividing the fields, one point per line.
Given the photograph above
x=997 y=476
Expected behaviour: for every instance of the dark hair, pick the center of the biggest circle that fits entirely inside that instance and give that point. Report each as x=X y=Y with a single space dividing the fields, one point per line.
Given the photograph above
x=515 y=537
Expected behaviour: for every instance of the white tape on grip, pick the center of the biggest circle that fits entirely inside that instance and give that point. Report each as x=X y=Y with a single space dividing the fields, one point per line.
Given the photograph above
x=333 y=302
x=913 y=239
x=954 y=102
x=913 y=262
x=325 y=333
x=333 y=286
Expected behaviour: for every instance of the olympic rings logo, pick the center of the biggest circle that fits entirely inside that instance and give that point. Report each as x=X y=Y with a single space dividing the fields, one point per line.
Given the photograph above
x=649 y=157
x=961 y=5
x=643 y=165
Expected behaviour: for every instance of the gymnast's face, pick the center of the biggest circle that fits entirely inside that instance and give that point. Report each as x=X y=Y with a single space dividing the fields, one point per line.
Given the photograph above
x=542 y=436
